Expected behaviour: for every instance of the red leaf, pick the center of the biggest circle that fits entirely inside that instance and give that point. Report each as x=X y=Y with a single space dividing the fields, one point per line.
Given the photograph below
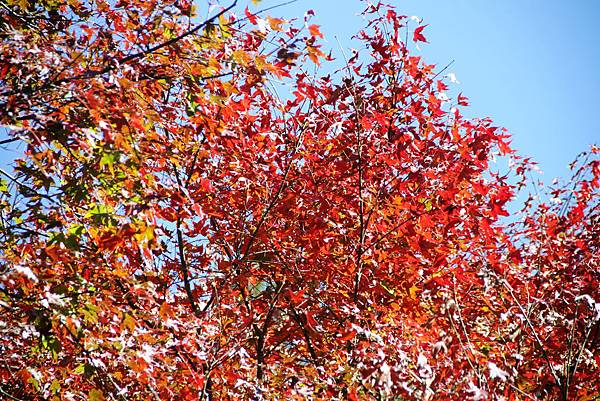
x=418 y=36
x=251 y=17
x=310 y=320
x=4 y=71
x=297 y=297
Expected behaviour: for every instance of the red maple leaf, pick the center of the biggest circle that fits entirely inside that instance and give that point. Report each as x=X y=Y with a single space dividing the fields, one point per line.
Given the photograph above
x=418 y=36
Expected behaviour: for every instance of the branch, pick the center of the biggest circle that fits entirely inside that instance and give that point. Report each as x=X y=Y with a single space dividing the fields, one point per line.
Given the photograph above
x=260 y=344
x=305 y=333
x=31 y=192
x=274 y=199
x=126 y=59
x=535 y=334
x=261 y=11
x=10 y=140
x=10 y=396
x=580 y=353
x=360 y=183
x=173 y=40
x=185 y=270
x=475 y=366
x=391 y=230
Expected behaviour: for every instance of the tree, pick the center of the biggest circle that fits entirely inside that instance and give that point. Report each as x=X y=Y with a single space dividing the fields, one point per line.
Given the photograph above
x=197 y=216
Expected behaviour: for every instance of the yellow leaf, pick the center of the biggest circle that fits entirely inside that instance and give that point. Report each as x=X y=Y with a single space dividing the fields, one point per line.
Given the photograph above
x=241 y=57
x=145 y=234
x=223 y=24
x=413 y=291
x=120 y=273
x=96 y=395
x=260 y=63
x=128 y=323
x=23 y=4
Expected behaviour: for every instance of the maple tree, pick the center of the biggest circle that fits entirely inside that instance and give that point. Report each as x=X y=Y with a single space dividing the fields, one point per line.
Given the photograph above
x=197 y=215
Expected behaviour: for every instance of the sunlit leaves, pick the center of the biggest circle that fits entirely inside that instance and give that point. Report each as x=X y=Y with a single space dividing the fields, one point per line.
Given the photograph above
x=209 y=220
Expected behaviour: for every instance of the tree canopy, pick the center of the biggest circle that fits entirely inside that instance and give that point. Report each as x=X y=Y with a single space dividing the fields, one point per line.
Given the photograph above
x=203 y=209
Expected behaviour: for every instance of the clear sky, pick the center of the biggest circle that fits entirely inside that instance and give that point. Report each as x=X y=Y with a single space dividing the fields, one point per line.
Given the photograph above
x=531 y=65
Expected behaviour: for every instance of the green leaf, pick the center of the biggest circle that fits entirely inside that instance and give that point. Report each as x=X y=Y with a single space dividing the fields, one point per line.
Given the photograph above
x=89 y=312
x=55 y=387
x=109 y=159
x=72 y=243
x=76 y=230
x=79 y=369
x=35 y=383
x=56 y=238
x=55 y=347
x=85 y=369
x=428 y=205
x=100 y=214
x=97 y=211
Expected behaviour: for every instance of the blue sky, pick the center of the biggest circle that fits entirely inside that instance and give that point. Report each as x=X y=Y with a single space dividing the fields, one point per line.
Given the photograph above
x=533 y=66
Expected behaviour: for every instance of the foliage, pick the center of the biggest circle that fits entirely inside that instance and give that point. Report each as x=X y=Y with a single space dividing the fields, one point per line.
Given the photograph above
x=198 y=216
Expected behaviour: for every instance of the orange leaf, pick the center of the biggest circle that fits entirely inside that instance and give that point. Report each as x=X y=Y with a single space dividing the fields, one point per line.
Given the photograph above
x=349 y=336
x=314 y=30
x=275 y=23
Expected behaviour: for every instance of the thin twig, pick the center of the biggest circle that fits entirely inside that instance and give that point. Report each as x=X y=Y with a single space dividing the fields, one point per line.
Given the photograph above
x=126 y=59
